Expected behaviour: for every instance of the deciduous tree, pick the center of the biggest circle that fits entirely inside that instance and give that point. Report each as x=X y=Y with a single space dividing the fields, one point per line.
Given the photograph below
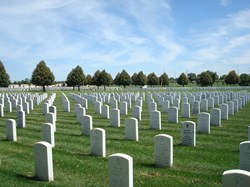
x=164 y=80
x=182 y=80
x=42 y=75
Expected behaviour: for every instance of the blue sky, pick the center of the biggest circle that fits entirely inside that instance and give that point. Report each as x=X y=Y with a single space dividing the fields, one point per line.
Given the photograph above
x=171 y=36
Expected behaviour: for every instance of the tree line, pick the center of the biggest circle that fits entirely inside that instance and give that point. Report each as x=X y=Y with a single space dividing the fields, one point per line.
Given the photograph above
x=43 y=76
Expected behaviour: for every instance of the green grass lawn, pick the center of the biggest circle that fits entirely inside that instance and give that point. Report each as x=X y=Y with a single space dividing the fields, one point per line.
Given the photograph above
x=202 y=165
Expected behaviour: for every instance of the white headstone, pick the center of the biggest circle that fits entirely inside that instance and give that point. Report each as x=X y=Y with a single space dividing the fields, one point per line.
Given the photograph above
x=115 y=117
x=204 y=105
x=105 y=111
x=43 y=161
x=98 y=142
x=137 y=112
x=11 y=130
x=230 y=108
x=235 y=178
x=8 y=106
x=245 y=155
x=173 y=115
x=224 y=111
x=216 y=100
x=215 y=117
x=176 y=103
x=45 y=108
x=114 y=104
x=155 y=120
x=152 y=106
x=66 y=105
x=185 y=108
x=124 y=108
x=131 y=129
x=98 y=108
x=236 y=105
x=50 y=118
x=48 y=134
x=165 y=106
x=21 y=123
x=1 y=110
x=204 y=122
x=53 y=110
x=196 y=107
x=210 y=102
x=120 y=170
x=26 y=107
x=188 y=133
x=81 y=111
x=31 y=104
x=163 y=150
x=87 y=124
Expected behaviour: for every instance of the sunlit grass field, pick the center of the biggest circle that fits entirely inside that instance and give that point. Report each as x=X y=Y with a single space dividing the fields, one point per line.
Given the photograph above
x=202 y=165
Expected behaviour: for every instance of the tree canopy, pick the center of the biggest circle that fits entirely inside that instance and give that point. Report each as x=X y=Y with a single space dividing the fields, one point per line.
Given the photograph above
x=104 y=79
x=133 y=78
x=152 y=79
x=42 y=75
x=192 y=77
x=182 y=80
x=214 y=76
x=204 y=79
x=244 y=80
x=164 y=80
x=232 y=78
x=141 y=79
x=4 y=76
x=76 y=78
x=88 y=80
x=123 y=78
x=94 y=78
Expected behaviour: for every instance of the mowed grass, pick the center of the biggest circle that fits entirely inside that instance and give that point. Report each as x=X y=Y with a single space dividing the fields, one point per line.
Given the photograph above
x=202 y=165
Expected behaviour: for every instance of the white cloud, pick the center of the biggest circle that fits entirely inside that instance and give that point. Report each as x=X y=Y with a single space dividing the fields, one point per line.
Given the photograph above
x=222 y=43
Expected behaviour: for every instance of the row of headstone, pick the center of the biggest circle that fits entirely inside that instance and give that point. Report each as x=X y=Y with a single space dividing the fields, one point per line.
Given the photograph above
x=48 y=102
x=66 y=103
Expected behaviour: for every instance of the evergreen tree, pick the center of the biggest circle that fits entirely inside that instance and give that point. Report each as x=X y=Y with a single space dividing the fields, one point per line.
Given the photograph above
x=133 y=78
x=141 y=79
x=104 y=79
x=88 y=80
x=124 y=79
x=94 y=78
x=4 y=77
x=152 y=79
x=76 y=78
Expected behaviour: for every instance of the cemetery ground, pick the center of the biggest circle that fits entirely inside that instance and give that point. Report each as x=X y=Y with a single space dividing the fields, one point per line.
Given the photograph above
x=73 y=165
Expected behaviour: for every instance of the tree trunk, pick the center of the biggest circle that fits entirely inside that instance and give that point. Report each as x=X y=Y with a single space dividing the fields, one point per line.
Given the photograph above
x=104 y=87
x=44 y=90
x=73 y=88
x=78 y=88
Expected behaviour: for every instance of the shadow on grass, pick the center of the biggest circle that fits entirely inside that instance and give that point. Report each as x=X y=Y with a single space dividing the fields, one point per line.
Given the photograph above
x=117 y=139
x=83 y=154
x=149 y=165
x=30 y=178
